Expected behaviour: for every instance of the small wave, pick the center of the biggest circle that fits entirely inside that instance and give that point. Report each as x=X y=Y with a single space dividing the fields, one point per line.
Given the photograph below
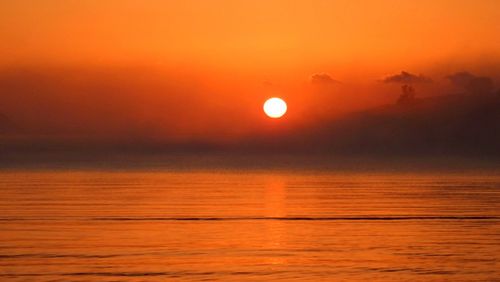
x=339 y=218
x=354 y=218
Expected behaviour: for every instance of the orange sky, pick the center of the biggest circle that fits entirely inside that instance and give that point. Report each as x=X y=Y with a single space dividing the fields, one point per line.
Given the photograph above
x=248 y=34
x=217 y=54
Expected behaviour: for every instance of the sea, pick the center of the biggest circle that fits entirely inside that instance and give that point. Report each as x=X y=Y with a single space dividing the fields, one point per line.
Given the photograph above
x=248 y=224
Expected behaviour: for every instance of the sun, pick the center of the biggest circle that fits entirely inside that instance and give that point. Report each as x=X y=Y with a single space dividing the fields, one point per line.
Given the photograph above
x=275 y=107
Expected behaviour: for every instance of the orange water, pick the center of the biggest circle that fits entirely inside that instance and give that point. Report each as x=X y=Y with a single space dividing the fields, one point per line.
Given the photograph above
x=248 y=226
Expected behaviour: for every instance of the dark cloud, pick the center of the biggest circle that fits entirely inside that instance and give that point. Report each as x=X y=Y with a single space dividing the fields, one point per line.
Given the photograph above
x=471 y=83
x=407 y=78
x=322 y=79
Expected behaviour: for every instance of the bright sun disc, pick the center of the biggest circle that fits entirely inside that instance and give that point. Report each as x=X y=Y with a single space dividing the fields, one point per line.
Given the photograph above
x=275 y=107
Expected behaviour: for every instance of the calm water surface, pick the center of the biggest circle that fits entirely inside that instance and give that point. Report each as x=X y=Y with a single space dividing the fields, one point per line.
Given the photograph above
x=248 y=226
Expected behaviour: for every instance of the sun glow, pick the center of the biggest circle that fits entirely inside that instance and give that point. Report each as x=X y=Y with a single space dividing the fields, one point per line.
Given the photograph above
x=275 y=107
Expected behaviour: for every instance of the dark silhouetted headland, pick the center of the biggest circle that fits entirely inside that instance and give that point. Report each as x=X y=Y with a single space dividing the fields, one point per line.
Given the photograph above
x=452 y=124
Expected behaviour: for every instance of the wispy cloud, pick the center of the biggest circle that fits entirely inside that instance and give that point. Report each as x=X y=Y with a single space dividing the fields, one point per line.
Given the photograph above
x=471 y=83
x=407 y=78
x=322 y=79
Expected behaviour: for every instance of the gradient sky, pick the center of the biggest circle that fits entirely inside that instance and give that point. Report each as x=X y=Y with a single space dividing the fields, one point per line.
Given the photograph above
x=244 y=34
x=193 y=68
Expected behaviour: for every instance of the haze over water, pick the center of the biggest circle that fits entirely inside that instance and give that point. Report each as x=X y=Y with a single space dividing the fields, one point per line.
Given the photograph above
x=248 y=225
